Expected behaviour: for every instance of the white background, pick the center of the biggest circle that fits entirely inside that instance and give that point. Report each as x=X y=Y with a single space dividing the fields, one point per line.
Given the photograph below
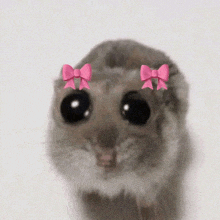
x=38 y=37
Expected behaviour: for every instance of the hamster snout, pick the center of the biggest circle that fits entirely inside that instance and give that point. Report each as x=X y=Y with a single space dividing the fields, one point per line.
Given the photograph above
x=105 y=148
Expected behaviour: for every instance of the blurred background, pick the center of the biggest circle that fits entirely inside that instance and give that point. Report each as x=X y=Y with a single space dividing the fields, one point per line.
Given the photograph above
x=38 y=37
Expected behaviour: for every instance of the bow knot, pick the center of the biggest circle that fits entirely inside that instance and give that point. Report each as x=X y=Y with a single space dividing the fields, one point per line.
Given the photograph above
x=77 y=73
x=162 y=74
x=85 y=74
x=154 y=74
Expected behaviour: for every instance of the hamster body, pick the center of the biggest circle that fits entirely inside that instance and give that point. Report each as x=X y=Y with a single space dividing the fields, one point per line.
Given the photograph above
x=123 y=149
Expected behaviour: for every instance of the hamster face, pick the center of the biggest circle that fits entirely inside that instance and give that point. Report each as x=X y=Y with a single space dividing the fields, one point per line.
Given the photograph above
x=116 y=136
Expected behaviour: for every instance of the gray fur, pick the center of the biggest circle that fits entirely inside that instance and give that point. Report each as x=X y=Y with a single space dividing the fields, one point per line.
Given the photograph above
x=152 y=158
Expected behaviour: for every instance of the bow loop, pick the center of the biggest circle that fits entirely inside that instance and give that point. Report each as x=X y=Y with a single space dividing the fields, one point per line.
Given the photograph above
x=163 y=72
x=85 y=73
x=145 y=73
x=68 y=72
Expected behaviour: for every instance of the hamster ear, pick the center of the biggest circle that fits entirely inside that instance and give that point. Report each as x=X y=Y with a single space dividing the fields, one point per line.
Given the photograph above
x=176 y=95
x=58 y=84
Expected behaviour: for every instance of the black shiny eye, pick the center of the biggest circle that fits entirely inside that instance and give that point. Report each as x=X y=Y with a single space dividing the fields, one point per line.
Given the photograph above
x=75 y=107
x=135 y=109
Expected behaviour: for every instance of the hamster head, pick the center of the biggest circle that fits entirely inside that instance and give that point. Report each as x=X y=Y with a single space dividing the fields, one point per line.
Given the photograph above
x=116 y=136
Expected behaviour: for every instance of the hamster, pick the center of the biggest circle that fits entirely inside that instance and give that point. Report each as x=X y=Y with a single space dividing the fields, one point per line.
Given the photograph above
x=122 y=149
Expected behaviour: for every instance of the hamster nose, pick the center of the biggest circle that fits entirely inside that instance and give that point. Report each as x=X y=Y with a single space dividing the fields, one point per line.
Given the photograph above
x=107 y=160
x=107 y=137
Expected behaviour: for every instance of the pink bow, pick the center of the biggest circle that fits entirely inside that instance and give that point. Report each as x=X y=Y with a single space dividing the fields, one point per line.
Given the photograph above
x=85 y=74
x=162 y=74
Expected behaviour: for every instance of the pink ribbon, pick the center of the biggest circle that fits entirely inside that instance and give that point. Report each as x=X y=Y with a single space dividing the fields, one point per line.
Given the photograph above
x=162 y=74
x=85 y=74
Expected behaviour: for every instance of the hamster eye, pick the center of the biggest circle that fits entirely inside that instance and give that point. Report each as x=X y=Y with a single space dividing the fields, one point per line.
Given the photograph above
x=135 y=109
x=75 y=107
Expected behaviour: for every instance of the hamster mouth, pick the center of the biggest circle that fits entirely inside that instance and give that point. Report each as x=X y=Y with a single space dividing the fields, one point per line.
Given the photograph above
x=107 y=160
